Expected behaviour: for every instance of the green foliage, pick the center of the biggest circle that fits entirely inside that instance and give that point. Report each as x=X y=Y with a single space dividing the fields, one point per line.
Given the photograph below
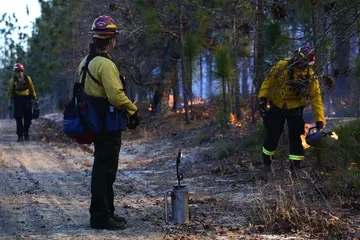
x=52 y=43
x=203 y=21
x=247 y=9
x=325 y=43
x=191 y=46
x=226 y=148
x=345 y=183
x=303 y=11
x=152 y=20
x=273 y=34
x=342 y=158
x=172 y=7
x=223 y=67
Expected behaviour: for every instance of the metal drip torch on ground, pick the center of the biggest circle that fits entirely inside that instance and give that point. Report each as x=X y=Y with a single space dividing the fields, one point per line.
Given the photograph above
x=179 y=199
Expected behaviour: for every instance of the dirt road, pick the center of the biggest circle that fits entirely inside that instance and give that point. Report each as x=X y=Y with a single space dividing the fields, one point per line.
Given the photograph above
x=45 y=190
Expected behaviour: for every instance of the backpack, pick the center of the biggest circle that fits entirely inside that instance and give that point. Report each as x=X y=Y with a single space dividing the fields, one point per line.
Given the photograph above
x=299 y=87
x=21 y=85
x=77 y=110
x=84 y=116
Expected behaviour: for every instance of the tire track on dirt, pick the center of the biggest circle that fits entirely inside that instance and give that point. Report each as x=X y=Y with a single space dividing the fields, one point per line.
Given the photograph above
x=20 y=194
x=18 y=184
x=59 y=175
x=7 y=199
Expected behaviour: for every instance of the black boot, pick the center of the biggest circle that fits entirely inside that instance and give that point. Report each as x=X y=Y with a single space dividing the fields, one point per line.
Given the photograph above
x=109 y=224
x=267 y=160
x=295 y=169
x=20 y=138
x=118 y=218
x=26 y=136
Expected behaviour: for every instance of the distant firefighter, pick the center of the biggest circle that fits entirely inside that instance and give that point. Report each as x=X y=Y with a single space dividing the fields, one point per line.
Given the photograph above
x=21 y=93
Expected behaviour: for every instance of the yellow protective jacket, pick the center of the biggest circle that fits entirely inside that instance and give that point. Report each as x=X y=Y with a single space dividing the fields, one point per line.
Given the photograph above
x=28 y=92
x=276 y=89
x=106 y=72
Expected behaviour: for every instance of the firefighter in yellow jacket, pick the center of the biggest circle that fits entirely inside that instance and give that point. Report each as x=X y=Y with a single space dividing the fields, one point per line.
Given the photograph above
x=103 y=83
x=286 y=89
x=21 y=92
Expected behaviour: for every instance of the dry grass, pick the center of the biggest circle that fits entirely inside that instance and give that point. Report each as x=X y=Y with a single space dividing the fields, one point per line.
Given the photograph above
x=314 y=203
x=282 y=210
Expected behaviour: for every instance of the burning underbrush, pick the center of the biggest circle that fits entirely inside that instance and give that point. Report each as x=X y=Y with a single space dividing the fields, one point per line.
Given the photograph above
x=317 y=202
x=341 y=160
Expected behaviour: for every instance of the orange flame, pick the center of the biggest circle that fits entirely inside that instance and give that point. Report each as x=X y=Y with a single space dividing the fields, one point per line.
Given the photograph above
x=352 y=166
x=234 y=121
x=197 y=101
x=303 y=142
x=334 y=136
x=307 y=126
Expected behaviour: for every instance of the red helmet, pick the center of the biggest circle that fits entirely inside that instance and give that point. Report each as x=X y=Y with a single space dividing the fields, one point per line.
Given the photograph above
x=18 y=67
x=306 y=53
x=104 y=25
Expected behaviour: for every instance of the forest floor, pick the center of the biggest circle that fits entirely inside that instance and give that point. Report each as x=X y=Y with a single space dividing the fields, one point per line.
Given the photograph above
x=45 y=185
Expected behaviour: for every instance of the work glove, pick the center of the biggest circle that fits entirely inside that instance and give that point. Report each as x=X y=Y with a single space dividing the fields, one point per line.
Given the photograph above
x=263 y=105
x=9 y=106
x=133 y=120
x=319 y=125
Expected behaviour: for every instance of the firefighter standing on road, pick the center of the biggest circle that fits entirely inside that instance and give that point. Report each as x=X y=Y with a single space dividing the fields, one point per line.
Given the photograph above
x=102 y=82
x=287 y=88
x=21 y=93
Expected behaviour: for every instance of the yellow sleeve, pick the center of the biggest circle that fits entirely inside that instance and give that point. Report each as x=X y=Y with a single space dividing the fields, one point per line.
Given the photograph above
x=32 y=88
x=114 y=89
x=11 y=90
x=316 y=100
x=82 y=63
x=269 y=81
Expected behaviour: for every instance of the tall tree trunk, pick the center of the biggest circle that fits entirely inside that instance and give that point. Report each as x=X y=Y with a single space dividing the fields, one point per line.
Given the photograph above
x=142 y=93
x=244 y=78
x=176 y=94
x=166 y=88
x=224 y=97
x=236 y=82
x=259 y=57
x=342 y=54
x=209 y=65
x=183 y=78
x=190 y=88
x=132 y=90
x=201 y=75
x=230 y=98
x=237 y=93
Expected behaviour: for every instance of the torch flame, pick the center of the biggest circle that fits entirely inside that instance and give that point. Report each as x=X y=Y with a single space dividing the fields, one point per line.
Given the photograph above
x=303 y=142
x=307 y=126
x=334 y=136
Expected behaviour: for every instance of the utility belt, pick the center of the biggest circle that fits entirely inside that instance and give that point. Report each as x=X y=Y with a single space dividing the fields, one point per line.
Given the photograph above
x=295 y=111
x=103 y=117
x=22 y=96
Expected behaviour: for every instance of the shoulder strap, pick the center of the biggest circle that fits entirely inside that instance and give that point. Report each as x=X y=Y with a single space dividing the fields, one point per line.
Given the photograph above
x=308 y=73
x=26 y=78
x=291 y=68
x=86 y=69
